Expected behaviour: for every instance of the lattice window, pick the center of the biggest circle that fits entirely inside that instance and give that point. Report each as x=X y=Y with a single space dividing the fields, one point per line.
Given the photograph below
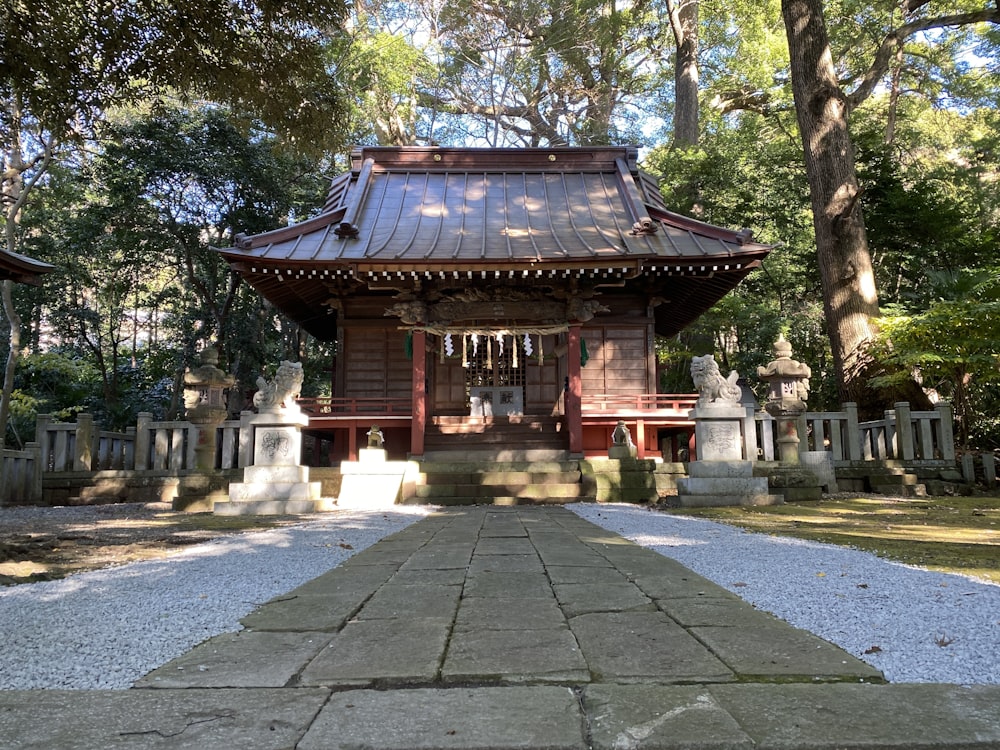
x=494 y=364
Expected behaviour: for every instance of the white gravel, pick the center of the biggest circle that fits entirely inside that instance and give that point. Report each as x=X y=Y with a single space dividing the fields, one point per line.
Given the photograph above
x=105 y=629
x=913 y=624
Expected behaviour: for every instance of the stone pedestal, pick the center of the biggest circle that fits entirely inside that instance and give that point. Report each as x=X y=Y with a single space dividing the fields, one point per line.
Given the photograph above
x=372 y=482
x=718 y=431
x=276 y=483
x=721 y=475
x=714 y=483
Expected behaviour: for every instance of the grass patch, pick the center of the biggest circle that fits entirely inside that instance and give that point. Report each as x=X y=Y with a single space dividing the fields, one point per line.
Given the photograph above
x=950 y=534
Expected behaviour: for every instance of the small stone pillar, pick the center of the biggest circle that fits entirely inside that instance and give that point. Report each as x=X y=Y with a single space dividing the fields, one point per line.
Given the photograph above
x=788 y=390
x=205 y=402
x=721 y=474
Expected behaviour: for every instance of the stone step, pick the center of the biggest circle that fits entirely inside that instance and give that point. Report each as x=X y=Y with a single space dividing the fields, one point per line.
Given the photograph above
x=533 y=491
x=505 y=500
x=497 y=456
x=499 y=477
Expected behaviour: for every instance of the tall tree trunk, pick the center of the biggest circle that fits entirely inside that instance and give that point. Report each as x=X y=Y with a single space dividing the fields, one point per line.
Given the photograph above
x=684 y=23
x=849 y=296
x=14 y=332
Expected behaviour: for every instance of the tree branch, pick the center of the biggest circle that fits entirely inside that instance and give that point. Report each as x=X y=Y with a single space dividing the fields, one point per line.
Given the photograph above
x=895 y=39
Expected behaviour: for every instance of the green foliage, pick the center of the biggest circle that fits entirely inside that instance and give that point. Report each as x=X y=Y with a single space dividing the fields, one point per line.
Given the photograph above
x=953 y=346
x=71 y=58
x=138 y=289
x=53 y=382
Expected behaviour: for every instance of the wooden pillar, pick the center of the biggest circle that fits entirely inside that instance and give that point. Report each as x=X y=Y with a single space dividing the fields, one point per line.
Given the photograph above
x=419 y=393
x=352 y=441
x=574 y=413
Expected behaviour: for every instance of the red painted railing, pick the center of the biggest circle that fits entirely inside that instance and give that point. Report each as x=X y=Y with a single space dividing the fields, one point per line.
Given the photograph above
x=610 y=404
x=363 y=407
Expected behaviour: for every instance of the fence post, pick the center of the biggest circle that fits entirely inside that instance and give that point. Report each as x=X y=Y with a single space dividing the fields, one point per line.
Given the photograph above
x=969 y=468
x=989 y=470
x=35 y=489
x=749 y=434
x=142 y=440
x=83 y=455
x=42 y=422
x=853 y=432
x=904 y=431
x=947 y=430
x=246 y=440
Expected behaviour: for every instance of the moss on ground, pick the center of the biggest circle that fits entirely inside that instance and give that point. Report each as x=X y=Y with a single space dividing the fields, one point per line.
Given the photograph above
x=951 y=534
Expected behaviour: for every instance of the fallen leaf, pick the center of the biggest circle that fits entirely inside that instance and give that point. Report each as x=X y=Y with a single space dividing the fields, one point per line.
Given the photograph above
x=739 y=584
x=821 y=575
x=874 y=650
x=345 y=545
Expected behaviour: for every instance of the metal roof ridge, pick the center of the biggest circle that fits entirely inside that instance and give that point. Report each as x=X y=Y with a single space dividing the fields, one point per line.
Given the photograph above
x=250 y=242
x=703 y=228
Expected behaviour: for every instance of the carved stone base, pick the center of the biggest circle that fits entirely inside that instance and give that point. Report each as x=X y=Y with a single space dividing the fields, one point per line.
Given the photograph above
x=714 y=483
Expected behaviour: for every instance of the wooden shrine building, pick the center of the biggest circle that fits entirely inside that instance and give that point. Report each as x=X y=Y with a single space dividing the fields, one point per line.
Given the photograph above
x=473 y=290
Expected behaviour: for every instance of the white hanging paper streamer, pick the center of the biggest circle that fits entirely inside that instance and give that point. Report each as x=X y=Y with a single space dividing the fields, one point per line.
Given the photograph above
x=465 y=352
x=475 y=345
x=449 y=348
x=499 y=346
x=527 y=345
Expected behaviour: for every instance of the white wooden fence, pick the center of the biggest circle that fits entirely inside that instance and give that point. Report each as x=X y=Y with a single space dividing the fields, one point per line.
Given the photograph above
x=912 y=437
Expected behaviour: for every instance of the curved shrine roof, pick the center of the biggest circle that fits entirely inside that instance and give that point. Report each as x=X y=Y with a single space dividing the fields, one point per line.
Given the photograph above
x=487 y=214
x=462 y=207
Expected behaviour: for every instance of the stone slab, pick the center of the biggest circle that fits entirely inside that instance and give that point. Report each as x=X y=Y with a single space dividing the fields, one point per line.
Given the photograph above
x=519 y=545
x=239 y=660
x=506 y=613
x=492 y=718
x=581 y=598
x=441 y=556
x=506 y=563
x=411 y=600
x=636 y=561
x=386 y=652
x=716 y=612
x=359 y=580
x=779 y=650
x=509 y=585
x=589 y=574
x=658 y=717
x=688 y=585
x=882 y=717
x=711 y=501
x=722 y=486
x=515 y=656
x=570 y=554
x=272 y=719
x=436 y=576
x=639 y=646
x=313 y=613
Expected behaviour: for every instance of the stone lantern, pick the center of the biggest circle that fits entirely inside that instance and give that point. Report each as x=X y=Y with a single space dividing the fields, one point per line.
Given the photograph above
x=204 y=399
x=788 y=389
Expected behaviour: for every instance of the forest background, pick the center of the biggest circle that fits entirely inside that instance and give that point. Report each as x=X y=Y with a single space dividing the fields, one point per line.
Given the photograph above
x=862 y=138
